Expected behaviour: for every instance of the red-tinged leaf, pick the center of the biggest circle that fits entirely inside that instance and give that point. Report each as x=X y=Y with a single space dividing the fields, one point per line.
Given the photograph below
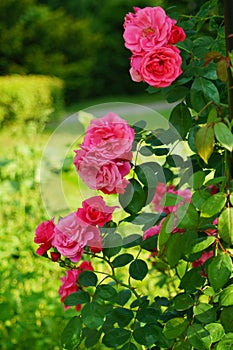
x=211 y=56
x=204 y=142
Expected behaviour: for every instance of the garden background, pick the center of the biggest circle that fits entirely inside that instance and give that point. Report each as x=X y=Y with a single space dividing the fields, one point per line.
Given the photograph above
x=84 y=56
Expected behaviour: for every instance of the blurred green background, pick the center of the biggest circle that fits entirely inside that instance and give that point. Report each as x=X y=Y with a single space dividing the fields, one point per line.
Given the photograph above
x=56 y=57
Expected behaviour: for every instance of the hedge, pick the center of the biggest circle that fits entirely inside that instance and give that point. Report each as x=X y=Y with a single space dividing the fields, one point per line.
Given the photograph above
x=27 y=98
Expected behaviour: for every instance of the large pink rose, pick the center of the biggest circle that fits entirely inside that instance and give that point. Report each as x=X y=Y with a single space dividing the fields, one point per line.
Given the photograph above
x=204 y=257
x=94 y=211
x=44 y=236
x=158 y=67
x=149 y=28
x=110 y=137
x=104 y=175
x=72 y=235
x=70 y=282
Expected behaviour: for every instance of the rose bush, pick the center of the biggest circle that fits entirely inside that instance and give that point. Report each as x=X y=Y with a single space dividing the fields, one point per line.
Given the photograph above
x=181 y=233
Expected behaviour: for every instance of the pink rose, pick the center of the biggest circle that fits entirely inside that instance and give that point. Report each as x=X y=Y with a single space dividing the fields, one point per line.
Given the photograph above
x=72 y=235
x=149 y=28
x=177 y=34
x=110 y=137
x=44 y=236
x=152 y=231
x=99 y=174
x=158 y=67
x=70 y=282
x=95 y=211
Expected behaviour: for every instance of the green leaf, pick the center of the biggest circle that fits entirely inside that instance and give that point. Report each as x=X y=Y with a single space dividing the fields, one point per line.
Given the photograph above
x=87 y=278
x=201 y=243
x=219 y=271
x=148 y=315
x=199 y=337
x=226 y=297
x=204 y=142
x=183 y=302
x=79 y=297
x=226 y=342
x=116 y=337
x=213 y=205
x=226 y=318
x=231 y=198
x=105 y=292
x=138 y=269
x=147 y=335
x=71 y=335
x=187 y=217
x=92 y=337
x=216 y=331
x=182 y=345
x=112 y=244
x=122 y=260
x=192 y=280
x=132 y=240
x=171 y=199
x=174 y=249
x=181 y=119
x=123 y=296
x=197 y=180
x=166 y=230
x=150 y=243
x=207 y=92
x=147 y=174
x=224 y=135
x=216 y=180
x=133 y=199
x=177 y=93
x=122 y=316
x=204 y=313
x=93 y=315
x=225 y=225
x=129 y=346
x=222 y=70
x=199 y=197
x=175 y=327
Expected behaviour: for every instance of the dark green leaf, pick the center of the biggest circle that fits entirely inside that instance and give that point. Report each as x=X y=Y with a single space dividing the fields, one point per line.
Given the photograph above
x=225 y=225
x=87 y=278
x=192 y=137
x=216 y=331
x=93 y=315
x=226 y=342
x=177 y=93
x=213 y=205
x=199 y=337
x=204 y=313
x=226 y=318
x=122 y=260
x=174 y=249
x=133 y=200
x=147 y=174
x=224 y=135
x=112 y=244
x=116 y=337
x=147 y=335
x=181 y=119
x=175 y=327
x=122 y=316
x=129 y=346
x=138 y=269
x=219 y=271
x=192 y=280
x=166 y=230
x=105 y=292
x=150 y=243
x=71 y=335
x=226 y=297
x=197 y=180
x=183 y=302
x=148 y=315
x=123 y=296
x=79 y=297
x=199 y=197
x=92 y=337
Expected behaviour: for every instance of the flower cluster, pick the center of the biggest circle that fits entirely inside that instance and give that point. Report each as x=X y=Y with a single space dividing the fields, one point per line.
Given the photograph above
x=70 y=282
x=151 y=35
x=104 y=158
x=75 y=231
